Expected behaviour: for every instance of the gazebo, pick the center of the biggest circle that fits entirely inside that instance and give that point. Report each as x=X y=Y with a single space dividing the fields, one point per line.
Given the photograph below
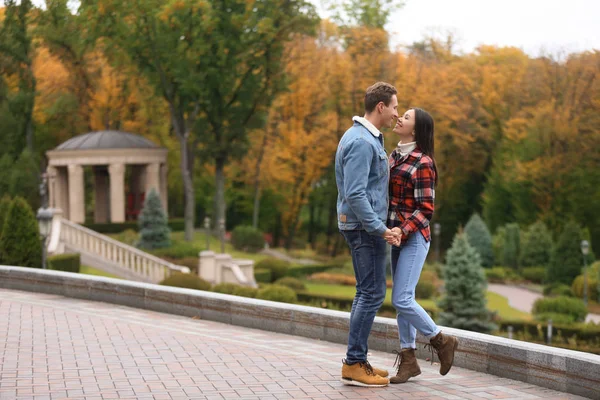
x=113 y=156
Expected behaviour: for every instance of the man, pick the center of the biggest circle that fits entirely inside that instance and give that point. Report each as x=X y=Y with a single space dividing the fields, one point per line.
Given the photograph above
x=361 y=171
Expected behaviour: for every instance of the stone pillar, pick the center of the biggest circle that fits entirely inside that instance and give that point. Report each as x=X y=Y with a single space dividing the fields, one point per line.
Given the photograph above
x=61 y=192
x=101 y=194
x=76 y=194
x=52 y=173
x=164 y=191
x=152 y=178
x=117 y=192
x=207 y=266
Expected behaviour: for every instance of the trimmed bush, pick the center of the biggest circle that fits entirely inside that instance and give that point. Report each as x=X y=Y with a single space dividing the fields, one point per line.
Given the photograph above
x=534 y=274
x=4 y=206
x=20 y=243
x=300 y=271
x=245 y=291
x=496 y=275
x=424 y=290
x=557 y=289
x=277 y=267
x=128 y=236
x=225 y=288
x=338 y=279
x=247 y=238
x=262 y=275
x=154 y=228
x=512 y=246
x=566 y=262
x=480 y=238
x=561 y=305
x=178 y=250
x=536 y=248
x=498 y=241
x=556 y=318
x=277 y=293
x=293 y=283
x=592 y=277
x=188 y=281
x=65 y=262
x=464 y=302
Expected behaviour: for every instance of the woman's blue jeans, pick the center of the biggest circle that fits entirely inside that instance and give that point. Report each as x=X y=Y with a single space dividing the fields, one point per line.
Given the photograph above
x=407 y=264
x=368 y=258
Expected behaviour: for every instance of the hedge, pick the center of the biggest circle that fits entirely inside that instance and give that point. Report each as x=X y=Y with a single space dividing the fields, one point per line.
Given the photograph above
x=176 y=224
x=346 y=303
x=262 y=275
x=65 y=262
x=300 y=271
x=586 y=332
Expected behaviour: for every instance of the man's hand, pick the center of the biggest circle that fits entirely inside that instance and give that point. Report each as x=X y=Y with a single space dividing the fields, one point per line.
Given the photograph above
x=393 y=236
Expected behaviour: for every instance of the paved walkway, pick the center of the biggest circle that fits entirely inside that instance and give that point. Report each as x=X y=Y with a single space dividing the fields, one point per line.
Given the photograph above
x=523 y=299
x=52 y=347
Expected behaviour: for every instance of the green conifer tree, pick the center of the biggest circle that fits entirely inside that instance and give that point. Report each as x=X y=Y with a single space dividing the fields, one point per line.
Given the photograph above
x=154 y=227
x=464 y=302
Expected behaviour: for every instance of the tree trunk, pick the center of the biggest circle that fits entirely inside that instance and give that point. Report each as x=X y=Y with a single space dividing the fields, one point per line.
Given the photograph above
x=311 y=224
x=220 y=190
x=261 y=155
x=188 y=188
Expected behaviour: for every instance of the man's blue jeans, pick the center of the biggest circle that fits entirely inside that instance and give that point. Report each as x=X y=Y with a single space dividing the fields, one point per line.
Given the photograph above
x=407 y=264
x=368 y=258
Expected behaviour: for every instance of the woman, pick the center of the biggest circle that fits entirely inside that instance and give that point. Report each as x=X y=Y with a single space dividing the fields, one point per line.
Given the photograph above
x=413 y=176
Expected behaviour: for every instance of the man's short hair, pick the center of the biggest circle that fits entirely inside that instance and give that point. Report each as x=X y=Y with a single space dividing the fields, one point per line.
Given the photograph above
x=381 y=91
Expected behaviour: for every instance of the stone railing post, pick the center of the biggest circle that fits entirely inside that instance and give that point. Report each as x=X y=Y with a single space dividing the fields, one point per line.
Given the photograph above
x=206 y=265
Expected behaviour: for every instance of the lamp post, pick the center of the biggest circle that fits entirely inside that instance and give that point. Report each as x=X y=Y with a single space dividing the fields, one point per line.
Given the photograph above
x=207 y=231
x=585 y=249
x=437 y=229
x=222 y=234
x=44 y=217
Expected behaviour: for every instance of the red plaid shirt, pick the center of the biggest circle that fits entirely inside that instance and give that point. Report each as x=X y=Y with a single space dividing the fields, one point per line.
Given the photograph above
x=412 y=193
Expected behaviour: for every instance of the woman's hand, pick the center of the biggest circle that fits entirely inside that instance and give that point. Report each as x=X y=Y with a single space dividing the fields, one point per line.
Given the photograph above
x=393 y=236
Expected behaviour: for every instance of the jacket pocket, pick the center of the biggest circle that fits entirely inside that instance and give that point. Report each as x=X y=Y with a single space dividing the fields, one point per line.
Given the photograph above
x=383 y=166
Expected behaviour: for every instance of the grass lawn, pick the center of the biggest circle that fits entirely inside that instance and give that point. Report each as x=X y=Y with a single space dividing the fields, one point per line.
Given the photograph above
x=198 y=244
x=500 y=304
x=495 y=301
x=93 y=271
x=349 y=291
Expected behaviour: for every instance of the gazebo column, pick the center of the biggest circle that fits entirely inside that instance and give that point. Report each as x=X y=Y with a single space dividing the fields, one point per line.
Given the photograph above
x=52 y=173
x=101 y=194
x=117 y=192
x=164 y=198
x=153 y=178
x=76 y=194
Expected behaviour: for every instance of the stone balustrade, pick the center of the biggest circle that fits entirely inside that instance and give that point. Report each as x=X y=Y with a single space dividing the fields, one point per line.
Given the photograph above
x=104 y=253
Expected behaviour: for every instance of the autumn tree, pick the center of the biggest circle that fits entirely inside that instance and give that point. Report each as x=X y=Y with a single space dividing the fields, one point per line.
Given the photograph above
x=17 y=81
x=244 y=72
x=305 y=140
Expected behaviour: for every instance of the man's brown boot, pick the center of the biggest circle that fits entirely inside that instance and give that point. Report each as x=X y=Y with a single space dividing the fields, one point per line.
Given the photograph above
x=362 y=374
x=444 y=346
x=407 y=366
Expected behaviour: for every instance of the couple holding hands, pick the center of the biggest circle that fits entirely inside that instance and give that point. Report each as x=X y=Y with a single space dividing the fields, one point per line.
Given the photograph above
x=388 y=200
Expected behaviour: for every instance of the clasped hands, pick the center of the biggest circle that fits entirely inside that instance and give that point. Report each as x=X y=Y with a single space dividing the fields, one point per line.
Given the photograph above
x=393 y=236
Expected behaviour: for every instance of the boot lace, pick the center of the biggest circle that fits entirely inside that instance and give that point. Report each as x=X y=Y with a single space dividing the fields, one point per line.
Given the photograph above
x=398 y=359
x=368 y=368
x=434 y=350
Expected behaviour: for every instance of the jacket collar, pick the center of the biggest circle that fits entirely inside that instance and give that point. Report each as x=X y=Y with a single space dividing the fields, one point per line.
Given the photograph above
x=370 y=127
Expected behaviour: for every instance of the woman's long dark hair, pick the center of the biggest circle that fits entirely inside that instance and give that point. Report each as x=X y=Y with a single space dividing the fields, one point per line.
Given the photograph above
x=424 y=128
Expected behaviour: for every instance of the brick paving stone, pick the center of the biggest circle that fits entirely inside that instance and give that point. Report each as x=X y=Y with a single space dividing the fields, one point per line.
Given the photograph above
x=53 y=347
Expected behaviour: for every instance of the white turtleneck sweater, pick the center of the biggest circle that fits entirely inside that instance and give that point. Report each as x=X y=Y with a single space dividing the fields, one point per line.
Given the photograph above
x=405 y=148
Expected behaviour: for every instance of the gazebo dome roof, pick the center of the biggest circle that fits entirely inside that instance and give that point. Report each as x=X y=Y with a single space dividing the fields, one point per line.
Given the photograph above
x=107 y=140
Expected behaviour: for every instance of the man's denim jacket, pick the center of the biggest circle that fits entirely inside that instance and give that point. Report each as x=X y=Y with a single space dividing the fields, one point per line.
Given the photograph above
x=361 y=173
